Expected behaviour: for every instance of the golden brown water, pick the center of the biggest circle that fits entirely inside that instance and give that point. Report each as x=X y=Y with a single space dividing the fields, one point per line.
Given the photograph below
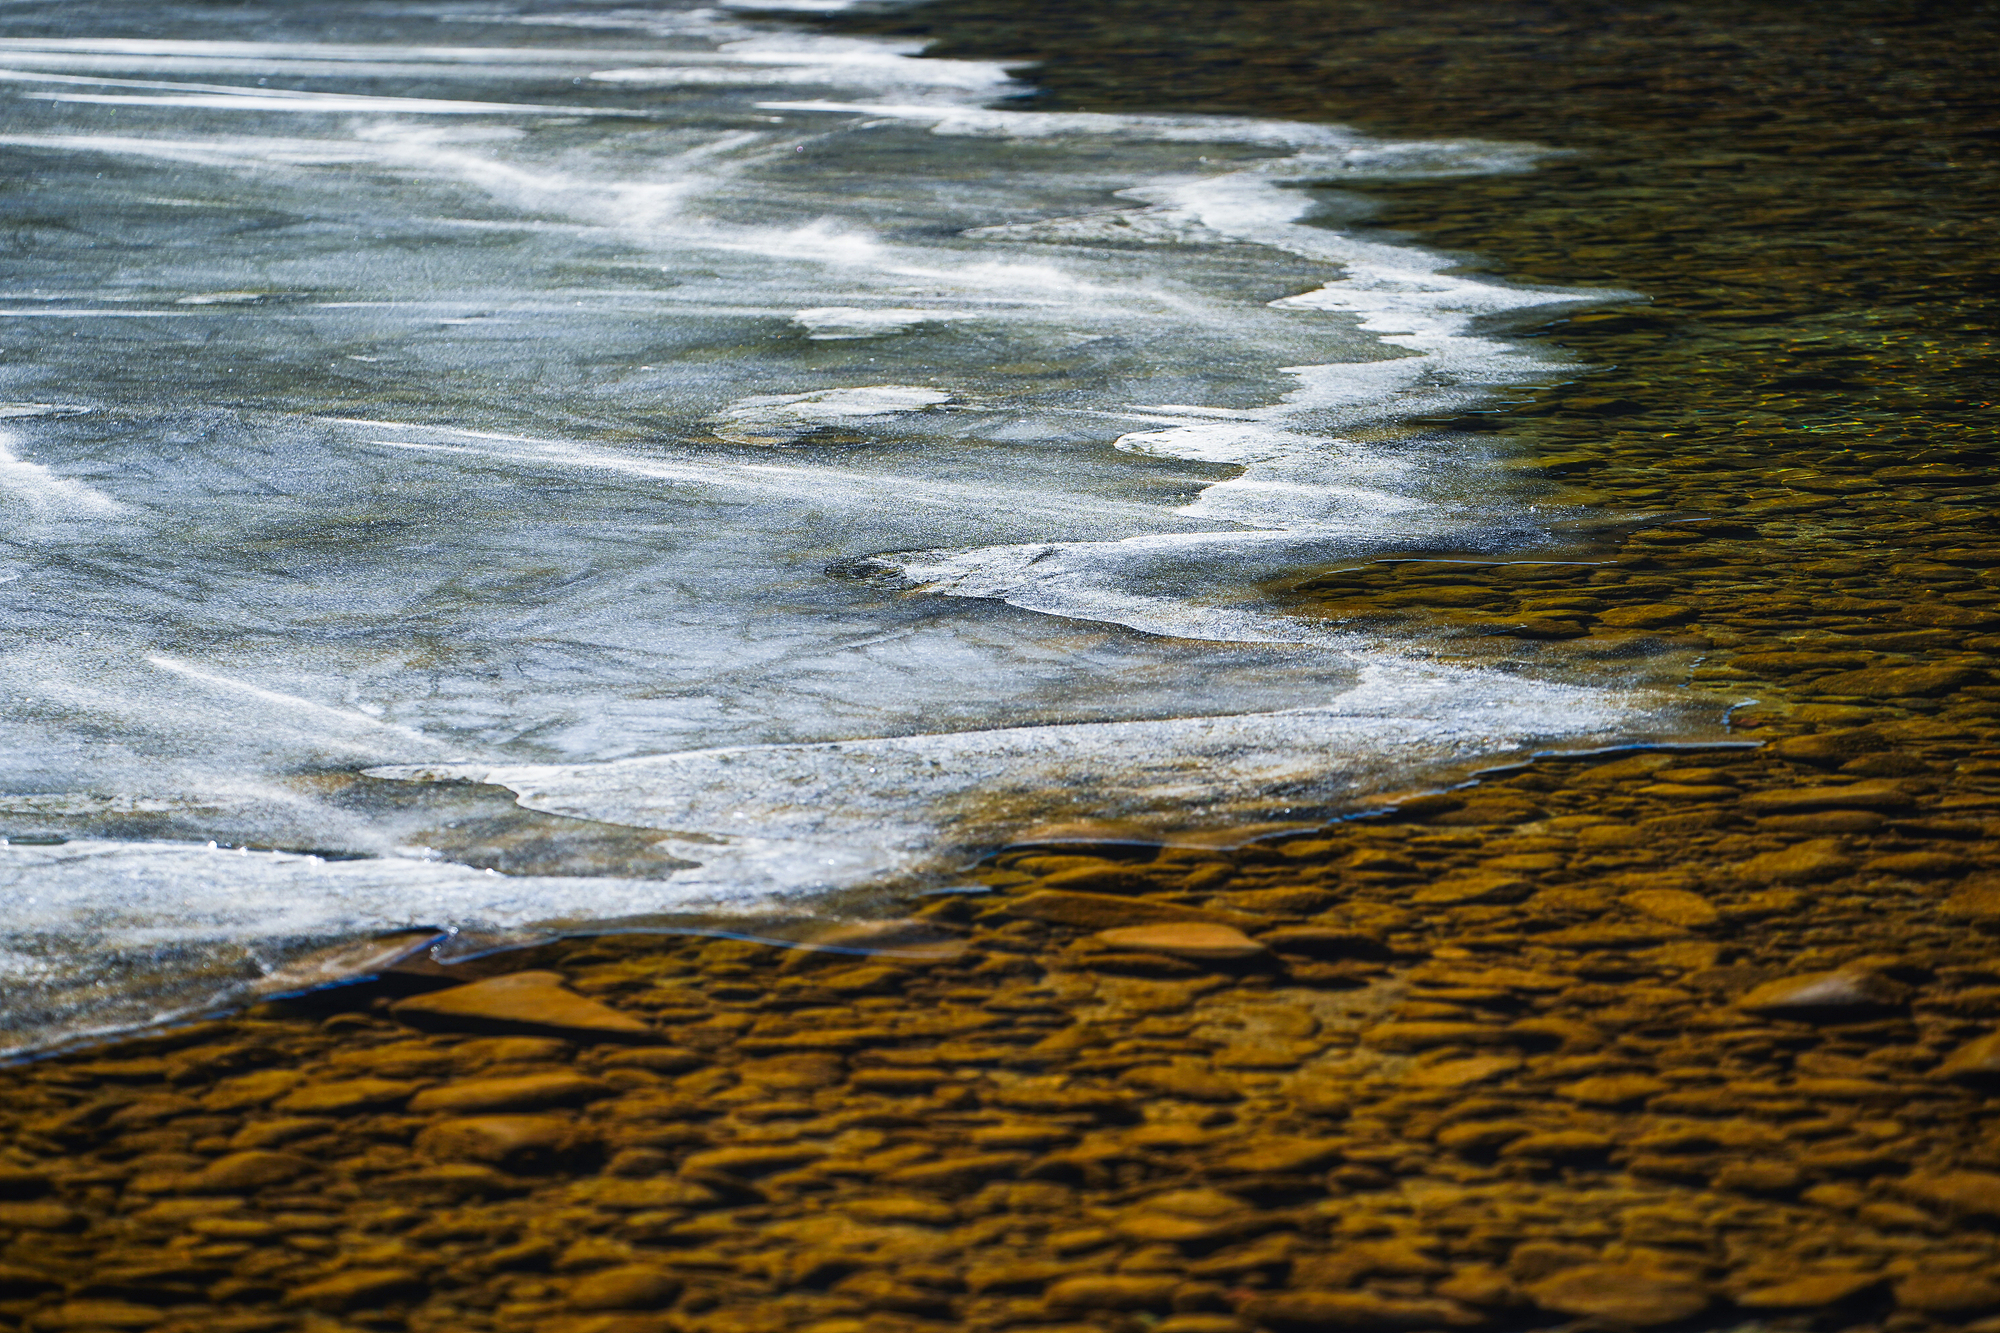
x=1647 y=1039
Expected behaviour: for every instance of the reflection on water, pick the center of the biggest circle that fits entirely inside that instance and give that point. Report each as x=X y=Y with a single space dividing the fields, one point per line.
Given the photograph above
x=701 y=427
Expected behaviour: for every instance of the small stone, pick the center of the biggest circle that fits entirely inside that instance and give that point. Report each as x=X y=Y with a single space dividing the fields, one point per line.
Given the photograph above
x=1841 y=996
x=1970 y=1194
x=347 y=1096
x=1899 y=682
x=879 y=1291
x=1475 y=887
x=1192 y=940
x=246 y=1172
x=251 y=1090
x=1919 y=865
x=1856 y=796
x=658 y=1059
x=962 y=1172
x=1565 y=1145
x=38 y=1217
x=908 y=1209
x=1622 y=1294
x=1657 y=615
x=1810 y=1291
x=1112 y=1292
x=1977 y=898
x=1674 y=906
x=102 y=1314
x=1189 y=1079
x=1424 y=1036
x=1823 y=821
x=1949 y=1295
x=1462 y=1073
x=1613 y=1090
x=1478 y=1285
x=627 y=1287
x=1284 y=1156
x=1355 y=1311
x=1771 y=1178
x=1821 y=858
x=530 y=1003
x=899 y=1082
x=512 y=1141
x=1976 y=1064
x=357 y=1288
x=532 y=1092
x=751 y=1161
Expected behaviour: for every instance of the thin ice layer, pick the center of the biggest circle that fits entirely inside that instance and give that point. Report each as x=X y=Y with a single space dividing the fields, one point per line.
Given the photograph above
x=445 y=428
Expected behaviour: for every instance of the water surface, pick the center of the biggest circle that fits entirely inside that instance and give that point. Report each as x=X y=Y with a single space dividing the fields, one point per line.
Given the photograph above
x=781 y=444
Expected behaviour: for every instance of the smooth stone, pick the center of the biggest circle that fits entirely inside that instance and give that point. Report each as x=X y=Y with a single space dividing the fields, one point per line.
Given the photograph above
x=1870 y=795
x=1676 y=907
x=1919 y=865
x=499 y=1140
x=1823 y=821
x=347 y=1096
x=1657 y=615
x=1822 y=858
x=752 y=1160
x=530 y=1092
x=1462 y=1073
x=1977 y=1063
x=1948 y=1295
x=1191 y=940
x=1810 y=1291
x=1284 y=1156
x=246 y=1172
x=1188 y=1079
x=953 y=1174
x=532 y=1003
x=357 y=1288
x=1623 y=1294
x=626 y=1287
x=1899 y=682
x=1358 y=1311
x=1423 y=1036
x=1108 y=1291
x=1824 y=995
x=1970 y=1194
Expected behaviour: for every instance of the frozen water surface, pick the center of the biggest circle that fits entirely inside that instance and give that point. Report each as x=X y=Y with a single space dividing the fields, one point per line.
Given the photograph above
x=753 y=448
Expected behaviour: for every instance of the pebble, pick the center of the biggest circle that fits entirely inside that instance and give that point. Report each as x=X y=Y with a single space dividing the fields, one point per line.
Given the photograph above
x=1810 y=1291
x=1836 y=996
x=530 y=1092
x=1805 y=863
x=534 y=1003
x=1627 y=1295
x=1192 y=940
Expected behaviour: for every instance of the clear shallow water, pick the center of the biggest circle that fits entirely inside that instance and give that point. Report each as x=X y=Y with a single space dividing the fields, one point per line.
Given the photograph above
x=693 y=424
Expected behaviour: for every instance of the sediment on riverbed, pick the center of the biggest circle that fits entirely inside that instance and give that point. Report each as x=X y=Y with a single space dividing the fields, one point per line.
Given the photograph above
x=1642 y=1039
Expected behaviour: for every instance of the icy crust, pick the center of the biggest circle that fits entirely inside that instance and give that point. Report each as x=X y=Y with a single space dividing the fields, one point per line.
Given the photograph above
x=90 y=944
x=781 y=418
x=789 y=819
x=1027 y=332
